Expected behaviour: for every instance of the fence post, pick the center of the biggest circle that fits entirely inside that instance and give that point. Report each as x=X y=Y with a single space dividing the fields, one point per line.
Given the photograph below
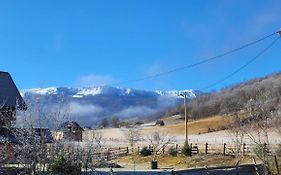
x=107 y=154
x=244 y=148
x=276 y=164
x=127 y=148
x=138 y=150
x=163 y=149
x=224 y=148
x=177 y=147
x=206 y=148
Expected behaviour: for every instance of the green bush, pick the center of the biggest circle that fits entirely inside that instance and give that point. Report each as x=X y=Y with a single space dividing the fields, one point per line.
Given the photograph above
x=186 y=149
x=145 y=151
x=64 y=166
x=173 y=151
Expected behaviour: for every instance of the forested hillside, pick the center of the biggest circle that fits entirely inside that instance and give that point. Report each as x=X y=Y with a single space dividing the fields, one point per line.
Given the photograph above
x=264 y=93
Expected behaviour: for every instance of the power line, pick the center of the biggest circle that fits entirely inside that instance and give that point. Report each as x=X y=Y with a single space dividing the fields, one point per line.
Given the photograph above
x=197 y=63
x=243 y=66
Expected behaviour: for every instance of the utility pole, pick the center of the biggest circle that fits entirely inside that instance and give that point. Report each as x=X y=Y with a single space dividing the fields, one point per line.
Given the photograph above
x=185 y=117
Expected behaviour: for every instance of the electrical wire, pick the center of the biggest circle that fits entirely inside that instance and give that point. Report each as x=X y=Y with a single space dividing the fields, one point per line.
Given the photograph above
x=197 y=63
x=243 y=66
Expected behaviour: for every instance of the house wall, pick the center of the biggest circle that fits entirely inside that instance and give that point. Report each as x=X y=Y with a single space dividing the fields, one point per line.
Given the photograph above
x=7 y=152
x=69 y=136
x=7 y=116
x=58 y=135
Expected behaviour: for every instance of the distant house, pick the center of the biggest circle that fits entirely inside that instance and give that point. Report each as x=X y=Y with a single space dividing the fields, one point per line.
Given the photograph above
x=70 y=131
x=159 y=123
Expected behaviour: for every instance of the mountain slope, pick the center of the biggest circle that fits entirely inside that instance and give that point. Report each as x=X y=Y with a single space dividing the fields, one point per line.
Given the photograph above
x=90 y=105
x=260 y=96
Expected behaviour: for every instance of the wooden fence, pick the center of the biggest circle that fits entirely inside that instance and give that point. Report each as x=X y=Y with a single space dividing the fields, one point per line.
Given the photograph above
x=115 y=152
x=223 y=149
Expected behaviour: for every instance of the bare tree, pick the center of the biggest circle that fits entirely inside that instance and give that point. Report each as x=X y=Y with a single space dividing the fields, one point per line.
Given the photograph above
x=237 y=131
x=132 y=135
x=158 y=141
x=34 y=150
x=259 y=122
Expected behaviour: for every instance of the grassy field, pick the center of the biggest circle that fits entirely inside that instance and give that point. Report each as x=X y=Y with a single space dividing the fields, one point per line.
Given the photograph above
x=180 y=161
x=174 y=126
x=215 y=123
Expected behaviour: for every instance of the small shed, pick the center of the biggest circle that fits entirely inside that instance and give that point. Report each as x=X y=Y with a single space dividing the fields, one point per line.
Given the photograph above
x=159 y=123
x=70 y=131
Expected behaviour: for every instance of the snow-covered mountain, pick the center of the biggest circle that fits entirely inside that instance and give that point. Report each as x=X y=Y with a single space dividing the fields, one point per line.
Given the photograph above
x=90 y=105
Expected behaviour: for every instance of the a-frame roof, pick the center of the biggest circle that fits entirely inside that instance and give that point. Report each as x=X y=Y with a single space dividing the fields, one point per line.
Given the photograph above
x=69 y=124
x=10 y=97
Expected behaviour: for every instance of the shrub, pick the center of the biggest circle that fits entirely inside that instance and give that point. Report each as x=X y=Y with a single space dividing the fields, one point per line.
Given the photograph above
x=145 y=151
x=259 y=150
x=186 y=149
x=173 y=151
x=63 y=166
x=278 y=150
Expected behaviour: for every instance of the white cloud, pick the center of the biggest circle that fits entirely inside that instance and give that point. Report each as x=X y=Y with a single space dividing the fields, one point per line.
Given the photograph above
x=83 y=109
x=94 y=80
x=137 y=111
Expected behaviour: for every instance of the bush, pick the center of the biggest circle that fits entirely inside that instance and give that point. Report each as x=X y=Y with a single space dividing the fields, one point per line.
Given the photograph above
x=259 y=150
x=278 y=150
x=173 y=151
x=186 y=149
x=63 y=166
x=145 y=151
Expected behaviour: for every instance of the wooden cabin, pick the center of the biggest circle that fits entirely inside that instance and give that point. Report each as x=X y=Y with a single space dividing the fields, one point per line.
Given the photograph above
x=159 y=123
x=70 y=131
x=10 y=102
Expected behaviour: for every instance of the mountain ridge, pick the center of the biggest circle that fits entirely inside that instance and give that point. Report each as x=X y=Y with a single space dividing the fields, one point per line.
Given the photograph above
x=92 y=104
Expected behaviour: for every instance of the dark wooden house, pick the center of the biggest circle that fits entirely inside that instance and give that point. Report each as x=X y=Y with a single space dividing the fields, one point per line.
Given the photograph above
x=70 y=131
x=159 y=123
x=10 y=102
x=7 y=145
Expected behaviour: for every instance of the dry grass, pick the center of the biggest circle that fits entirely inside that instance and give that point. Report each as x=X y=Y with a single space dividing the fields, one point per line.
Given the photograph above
x=215 y=123
x=180 y=161
x=175 y=127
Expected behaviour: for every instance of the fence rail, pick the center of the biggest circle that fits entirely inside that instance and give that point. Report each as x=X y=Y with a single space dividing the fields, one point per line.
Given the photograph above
x=224 y=149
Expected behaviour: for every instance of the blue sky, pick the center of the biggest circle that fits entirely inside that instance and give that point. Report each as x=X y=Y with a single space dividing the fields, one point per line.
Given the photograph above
x=90 y=43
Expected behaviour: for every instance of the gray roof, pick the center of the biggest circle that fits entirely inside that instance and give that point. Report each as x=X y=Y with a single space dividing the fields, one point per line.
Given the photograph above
x=9 y=94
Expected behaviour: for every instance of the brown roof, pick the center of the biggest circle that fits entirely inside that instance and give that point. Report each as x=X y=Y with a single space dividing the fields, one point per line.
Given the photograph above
x=69 y=124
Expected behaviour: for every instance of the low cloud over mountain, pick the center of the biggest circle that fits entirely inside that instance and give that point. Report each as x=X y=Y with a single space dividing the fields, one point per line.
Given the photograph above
x=90 y=105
